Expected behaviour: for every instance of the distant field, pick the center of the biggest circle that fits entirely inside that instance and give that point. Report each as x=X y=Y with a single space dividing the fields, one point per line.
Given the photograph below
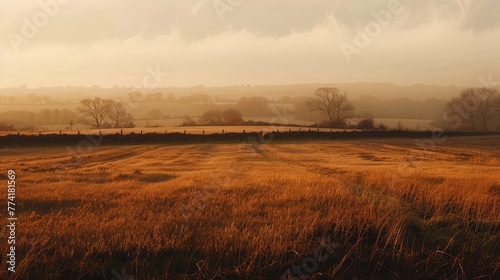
x=365 y=209
x=411 y=124
x=177 y=111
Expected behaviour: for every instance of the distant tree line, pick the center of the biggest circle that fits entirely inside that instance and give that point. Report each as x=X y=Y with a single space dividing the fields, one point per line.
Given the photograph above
x=157 y=114
x=7 y=99
x=42 y=117
x=6 y=127
x=254 y=106
x=159 y=97
x=474 y=109
x=329 y=102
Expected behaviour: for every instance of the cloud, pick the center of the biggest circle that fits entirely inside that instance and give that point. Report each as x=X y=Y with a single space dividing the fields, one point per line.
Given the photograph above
x=94 y=20
x=258 y=42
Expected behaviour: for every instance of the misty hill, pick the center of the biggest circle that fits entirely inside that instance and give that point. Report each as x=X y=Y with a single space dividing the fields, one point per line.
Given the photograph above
x=69 y=94
x=25 y=107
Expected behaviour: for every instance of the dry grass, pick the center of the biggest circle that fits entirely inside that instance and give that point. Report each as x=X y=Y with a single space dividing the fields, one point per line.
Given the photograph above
x=236 y=211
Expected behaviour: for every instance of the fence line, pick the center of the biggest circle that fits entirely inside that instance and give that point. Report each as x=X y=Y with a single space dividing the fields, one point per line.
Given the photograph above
x=222 y=136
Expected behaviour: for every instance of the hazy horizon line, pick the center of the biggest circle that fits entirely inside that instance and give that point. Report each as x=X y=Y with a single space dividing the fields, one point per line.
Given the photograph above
x=239 y=85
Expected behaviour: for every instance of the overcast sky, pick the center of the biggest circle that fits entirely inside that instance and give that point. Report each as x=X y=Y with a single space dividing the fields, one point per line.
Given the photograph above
x=232 y=42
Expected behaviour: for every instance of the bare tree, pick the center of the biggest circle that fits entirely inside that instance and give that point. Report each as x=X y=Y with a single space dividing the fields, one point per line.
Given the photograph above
x=120 y=116
x=94 y=111
x=332 y=103
x=475 y=109
x=232 y=117
x=212 y=117
x=224 y=117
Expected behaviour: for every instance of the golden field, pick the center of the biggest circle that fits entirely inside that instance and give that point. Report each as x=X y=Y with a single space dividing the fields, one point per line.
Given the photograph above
x=369 y=209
